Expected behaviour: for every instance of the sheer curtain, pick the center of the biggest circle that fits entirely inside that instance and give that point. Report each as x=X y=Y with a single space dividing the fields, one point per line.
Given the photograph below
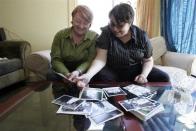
x=178 y=20
x=148 y=16
x=100 y=9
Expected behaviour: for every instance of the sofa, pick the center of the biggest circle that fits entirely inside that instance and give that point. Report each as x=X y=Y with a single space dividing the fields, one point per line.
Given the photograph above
x=177 y=65
x=12 y=62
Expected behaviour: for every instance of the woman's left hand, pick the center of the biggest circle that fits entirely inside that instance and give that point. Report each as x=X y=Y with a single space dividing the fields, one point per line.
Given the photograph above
x=141 y=79
x=72 y=76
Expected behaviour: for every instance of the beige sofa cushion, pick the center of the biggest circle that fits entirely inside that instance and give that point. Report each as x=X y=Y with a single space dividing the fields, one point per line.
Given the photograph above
x=176 y=74
x=159 y=48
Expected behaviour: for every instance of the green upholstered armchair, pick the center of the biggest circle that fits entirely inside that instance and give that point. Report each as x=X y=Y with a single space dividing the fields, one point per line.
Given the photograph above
x=12 y=61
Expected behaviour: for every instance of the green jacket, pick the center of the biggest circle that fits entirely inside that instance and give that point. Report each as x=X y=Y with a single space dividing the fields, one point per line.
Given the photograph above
x=67 y=56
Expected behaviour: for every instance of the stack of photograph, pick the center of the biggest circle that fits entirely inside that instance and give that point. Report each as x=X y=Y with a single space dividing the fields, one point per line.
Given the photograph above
x=142 y=107
x=113 y=91
x=92 y=103
x=140 y=91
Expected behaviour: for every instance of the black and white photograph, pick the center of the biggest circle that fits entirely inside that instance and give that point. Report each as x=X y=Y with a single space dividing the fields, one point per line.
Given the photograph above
x=137 y=90
x=101 y=118
x=101 y=107
x=136 y=103
x=114 y=91
x=91 y=94
x=84 y=109
x=148 y=112
x=68 y=101
x=148 y=109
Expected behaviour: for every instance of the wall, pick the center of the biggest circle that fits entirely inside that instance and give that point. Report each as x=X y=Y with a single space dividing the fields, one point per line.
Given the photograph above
x=36 y=21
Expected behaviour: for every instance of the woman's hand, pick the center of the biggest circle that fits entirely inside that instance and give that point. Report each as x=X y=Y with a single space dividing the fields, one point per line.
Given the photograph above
x=141 y=79
x=73 y=75
x=83 y=80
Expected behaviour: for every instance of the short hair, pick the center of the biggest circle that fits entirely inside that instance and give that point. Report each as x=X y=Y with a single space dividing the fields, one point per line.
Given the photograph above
x=122 y=13
x=85 y=12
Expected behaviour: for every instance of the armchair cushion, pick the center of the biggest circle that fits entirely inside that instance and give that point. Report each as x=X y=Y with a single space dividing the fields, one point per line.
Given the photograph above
x=9 y=65
x=15 y=49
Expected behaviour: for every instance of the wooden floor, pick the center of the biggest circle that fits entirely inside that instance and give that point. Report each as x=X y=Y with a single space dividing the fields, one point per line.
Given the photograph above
x=14 y=94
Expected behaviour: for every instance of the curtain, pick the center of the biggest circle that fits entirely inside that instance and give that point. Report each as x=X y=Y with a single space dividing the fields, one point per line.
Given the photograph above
x=148 y=16
x=178 y=25
x=71 y=4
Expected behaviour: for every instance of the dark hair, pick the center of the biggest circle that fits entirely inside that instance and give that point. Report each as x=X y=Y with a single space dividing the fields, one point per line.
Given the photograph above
x=122 y=13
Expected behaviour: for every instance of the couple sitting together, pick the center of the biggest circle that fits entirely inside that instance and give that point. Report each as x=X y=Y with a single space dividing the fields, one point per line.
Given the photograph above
x=121 y=53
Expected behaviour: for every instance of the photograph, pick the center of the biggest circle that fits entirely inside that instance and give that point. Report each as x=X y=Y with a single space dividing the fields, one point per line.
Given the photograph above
x=68 y=101
x=101 y=107
x=65 y=79
x=91 y=94
x=101 y=118
x=137 y=90
x=148 y=112
x=114 y=91
x=84 y=109
x=136 y=103
x=150 y=108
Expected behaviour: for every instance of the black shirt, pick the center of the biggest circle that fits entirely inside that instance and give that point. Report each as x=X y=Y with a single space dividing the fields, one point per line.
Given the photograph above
x=120 y=54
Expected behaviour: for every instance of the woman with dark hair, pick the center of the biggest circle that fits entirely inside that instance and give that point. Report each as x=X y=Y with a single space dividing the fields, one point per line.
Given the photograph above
x=124 y=52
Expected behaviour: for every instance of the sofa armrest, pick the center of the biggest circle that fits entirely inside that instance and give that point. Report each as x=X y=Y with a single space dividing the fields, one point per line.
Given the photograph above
x=15 y=49
x=180 y=60
x=39 y=63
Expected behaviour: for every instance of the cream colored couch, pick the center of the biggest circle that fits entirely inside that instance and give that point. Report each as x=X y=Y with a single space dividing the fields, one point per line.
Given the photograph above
x=177 y=65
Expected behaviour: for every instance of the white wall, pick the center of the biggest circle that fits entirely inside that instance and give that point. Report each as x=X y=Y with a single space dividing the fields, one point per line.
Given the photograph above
x=36 y=21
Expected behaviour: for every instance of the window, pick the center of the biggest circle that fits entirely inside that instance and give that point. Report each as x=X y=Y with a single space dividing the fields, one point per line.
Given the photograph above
x=100 y=9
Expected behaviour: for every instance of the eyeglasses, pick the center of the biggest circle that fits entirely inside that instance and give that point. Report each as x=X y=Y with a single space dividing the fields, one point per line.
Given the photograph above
x=79 y=23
